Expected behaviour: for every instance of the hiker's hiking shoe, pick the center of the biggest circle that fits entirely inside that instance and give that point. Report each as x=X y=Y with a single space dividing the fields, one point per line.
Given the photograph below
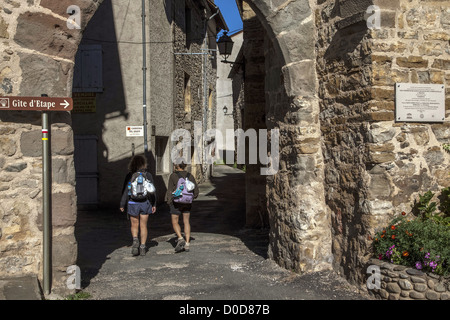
x=142 y=250
x=186 y=247
x=135 y=247
x=180 y=245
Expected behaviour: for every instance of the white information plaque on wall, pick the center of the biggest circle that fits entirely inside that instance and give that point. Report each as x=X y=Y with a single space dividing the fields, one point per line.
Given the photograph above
x=419 y=102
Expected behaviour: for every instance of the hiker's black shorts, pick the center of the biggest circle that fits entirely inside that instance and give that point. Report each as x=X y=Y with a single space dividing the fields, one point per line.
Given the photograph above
x=179 y=208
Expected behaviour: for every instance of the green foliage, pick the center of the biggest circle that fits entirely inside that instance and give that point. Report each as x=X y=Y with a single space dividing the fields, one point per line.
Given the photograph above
x=446 y=147
x=425 y=209
x=422 y=242
x=445 y=202
x=81 y=295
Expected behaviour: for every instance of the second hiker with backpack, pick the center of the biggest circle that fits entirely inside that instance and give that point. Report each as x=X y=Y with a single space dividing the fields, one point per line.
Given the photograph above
x=181 y=191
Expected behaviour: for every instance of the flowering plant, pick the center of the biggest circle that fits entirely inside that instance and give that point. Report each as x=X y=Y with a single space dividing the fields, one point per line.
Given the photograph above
x=418 y=243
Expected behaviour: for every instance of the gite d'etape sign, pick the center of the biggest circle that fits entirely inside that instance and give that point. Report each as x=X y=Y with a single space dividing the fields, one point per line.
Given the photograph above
x=35 y=104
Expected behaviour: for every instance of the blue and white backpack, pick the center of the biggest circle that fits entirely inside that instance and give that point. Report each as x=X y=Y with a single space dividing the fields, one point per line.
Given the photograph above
x=140 y=187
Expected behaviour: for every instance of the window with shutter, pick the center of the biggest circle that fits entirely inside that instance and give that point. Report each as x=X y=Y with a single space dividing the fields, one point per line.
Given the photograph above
x=88 y=69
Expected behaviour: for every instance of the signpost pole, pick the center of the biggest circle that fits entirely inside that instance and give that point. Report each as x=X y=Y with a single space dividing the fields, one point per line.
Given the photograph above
x=46 y=194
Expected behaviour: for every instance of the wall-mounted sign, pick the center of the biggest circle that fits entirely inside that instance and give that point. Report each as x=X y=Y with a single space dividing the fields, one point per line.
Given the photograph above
x=35 y=104
x=419 y=102
x=135 y=131
x=84 y=102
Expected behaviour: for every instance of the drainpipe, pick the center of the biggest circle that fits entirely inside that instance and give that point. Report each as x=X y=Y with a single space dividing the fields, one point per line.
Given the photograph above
x=205 y=87
x=144 y=75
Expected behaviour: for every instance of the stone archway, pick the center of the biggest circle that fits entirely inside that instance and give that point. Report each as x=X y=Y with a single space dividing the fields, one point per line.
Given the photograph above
x=300 y=228
x=38 y=58
x=346 y=165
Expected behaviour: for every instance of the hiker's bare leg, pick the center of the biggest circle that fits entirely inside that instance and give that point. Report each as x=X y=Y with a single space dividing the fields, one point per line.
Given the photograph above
x=176 y=225
x=134 y=226
x=143 y=228
x=187 y=226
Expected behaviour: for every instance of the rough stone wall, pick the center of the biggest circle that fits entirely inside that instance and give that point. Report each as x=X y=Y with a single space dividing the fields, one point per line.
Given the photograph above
x=192 y=65
x=412 y=46
x=376 y=167
x=406 y=159
x=343 y=66
x=37 y=56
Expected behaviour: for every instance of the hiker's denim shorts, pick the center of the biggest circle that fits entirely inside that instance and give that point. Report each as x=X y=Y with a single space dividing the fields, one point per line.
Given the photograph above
x=137 y=208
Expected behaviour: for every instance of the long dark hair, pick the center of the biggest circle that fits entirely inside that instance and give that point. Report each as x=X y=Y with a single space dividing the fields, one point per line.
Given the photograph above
x=137 y=163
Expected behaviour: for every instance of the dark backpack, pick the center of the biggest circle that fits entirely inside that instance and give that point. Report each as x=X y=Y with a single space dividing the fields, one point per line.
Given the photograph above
x=184 y=193
x=140 y=187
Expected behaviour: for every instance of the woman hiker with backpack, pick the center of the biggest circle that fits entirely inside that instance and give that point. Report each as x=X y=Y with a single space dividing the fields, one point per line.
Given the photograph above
x=181 y=203
x=140 y=198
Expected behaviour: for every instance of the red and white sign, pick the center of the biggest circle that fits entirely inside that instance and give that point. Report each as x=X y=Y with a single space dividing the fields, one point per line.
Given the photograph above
x=36 y=104
x=135 y=131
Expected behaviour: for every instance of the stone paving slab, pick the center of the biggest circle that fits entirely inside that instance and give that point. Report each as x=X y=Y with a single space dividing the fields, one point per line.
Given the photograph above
x=20 y=288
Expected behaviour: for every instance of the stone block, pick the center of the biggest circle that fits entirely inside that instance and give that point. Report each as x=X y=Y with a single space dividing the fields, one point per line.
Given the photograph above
x=416 y=295
x=393 y=287
x=381 y=134
x=384 y=294
x=441 y=131
x=420 y=287
x=30 y=143
x=3 y=28
x=64 y=251
x=421 y=136
x=42 y=74
x=405 y=284
x=432 y=295
x=7 y=146
x=381 y=153
x=62 y=142
x=412 y=62
x=296 y=43
x=47 y=34
x=348 y=8
x=59 y=171
x=87 y=8
x=394 y=296
x=379 y=186
x=443 y=64
x=15 y=167
x=418 y=280
x=439 y=287
x=63 y=209
x=299 y=78
x=434 y=156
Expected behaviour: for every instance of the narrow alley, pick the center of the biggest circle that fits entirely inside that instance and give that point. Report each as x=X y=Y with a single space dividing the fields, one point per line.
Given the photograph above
x=226 y=260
